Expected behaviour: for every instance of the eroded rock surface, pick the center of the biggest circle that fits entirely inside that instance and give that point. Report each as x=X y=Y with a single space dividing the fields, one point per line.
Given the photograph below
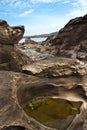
x=35 y=51
x=10 y=35
x=10 y=57
x=62 y=78
x=17 y=89
x=56 y=67
x=71 y=41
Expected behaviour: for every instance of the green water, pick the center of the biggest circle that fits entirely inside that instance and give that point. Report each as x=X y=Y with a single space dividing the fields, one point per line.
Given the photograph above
x=55 y=113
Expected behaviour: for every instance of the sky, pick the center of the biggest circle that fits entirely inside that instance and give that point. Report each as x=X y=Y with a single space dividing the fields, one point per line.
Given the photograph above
x=41 y=16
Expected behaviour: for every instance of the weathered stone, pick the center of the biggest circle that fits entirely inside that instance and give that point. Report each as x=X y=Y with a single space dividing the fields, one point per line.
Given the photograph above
x=17 y=89
x=10 y=57
x=35 y=51
x=10 y=35
x=56 y=67
x=61 y=78
x=71 y=40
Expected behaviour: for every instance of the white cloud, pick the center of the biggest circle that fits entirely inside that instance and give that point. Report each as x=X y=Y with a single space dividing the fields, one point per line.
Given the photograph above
x=79 y=8
x=25 y=3
x=28 y=3
x=15 y=3
x=26 y=13
x=82 y=2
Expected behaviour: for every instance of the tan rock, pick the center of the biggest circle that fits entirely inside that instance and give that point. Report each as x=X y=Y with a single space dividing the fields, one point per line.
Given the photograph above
x=56 y=67
x=10 y=35
x=10 y=57
x=17 y=89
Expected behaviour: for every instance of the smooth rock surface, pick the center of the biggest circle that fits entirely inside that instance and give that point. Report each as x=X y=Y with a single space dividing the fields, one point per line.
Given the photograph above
x=17 y=89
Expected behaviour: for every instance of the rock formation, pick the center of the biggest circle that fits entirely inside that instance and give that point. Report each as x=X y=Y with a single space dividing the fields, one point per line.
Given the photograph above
x=71 y=41
x=10 y=35
x=62 y=78
x=16 y=89
x=10 y=57
x=35 y=51
x=56 y=67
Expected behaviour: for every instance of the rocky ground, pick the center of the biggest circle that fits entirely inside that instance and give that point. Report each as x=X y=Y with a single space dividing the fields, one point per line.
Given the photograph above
x=26 y=73
x=35 y=51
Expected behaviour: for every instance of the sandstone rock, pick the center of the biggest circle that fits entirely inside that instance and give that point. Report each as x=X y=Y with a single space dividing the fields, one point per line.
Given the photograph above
x=71 y=38
x=10 y=35
x=36 y=51
x=11 y=113
x=56 y=67
x=10 y=57
x=17 y=89
x=61 y=78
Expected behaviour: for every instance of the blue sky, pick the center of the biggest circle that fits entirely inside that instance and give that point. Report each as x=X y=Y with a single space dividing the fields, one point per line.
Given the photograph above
x=41 y=16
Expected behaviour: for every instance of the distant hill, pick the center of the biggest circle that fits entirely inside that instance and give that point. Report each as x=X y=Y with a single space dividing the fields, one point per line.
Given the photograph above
x=41 y=35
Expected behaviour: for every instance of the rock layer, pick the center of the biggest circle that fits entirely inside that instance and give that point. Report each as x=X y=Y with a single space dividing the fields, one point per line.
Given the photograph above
x=55 y=67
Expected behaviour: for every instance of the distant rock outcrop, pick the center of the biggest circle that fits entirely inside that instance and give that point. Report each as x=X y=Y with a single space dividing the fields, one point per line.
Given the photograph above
x=71 y=41
x=10 y=57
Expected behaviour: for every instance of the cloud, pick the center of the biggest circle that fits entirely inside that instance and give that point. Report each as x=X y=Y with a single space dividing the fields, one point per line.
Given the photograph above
x=15 y=3
x=82 y=2
x=27 y=12
x=79 y=8
x=28 y=3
